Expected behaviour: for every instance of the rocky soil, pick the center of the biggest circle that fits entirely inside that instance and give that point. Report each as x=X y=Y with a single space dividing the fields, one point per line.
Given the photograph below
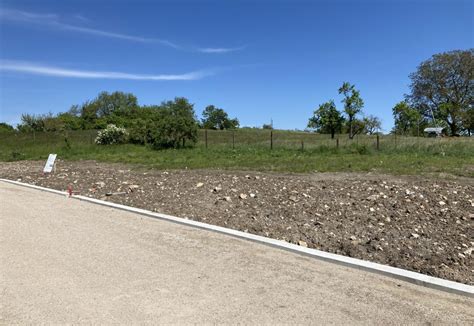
x=420 y=224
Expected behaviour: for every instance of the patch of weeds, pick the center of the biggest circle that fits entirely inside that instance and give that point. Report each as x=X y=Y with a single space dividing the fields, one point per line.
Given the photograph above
x=16 y=156
x=359 y=149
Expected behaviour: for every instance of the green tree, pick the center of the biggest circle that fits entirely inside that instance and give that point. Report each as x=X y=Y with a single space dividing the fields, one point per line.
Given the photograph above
x=358 y=127
x=353 y=104
x=216 y=118
x=443 y=87
x=31 y=122
x=5 y=127
x=115 y=103
x=468 y=121
x=372 y=124
x=326 y=119
x=408 y=121
x=175 y=125
x=69 y=121
x=109 y=108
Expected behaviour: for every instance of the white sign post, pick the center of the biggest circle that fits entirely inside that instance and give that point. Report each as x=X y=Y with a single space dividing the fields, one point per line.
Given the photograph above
x=50 y=163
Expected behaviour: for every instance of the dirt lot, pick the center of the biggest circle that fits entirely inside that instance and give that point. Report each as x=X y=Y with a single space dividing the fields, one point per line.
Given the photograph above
x=420 y=224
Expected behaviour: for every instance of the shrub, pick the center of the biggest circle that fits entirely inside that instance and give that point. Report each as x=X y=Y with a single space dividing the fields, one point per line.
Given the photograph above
x=171 y=125
x=112 y=135
x=359 y=149
x=5 y=127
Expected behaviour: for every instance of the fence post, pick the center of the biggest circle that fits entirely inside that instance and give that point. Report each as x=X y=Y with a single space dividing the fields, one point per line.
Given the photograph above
x=302 y=145
x=233 y=139
x=337 y=142
x=205 y=137
x=271 y=139
x=378 y=142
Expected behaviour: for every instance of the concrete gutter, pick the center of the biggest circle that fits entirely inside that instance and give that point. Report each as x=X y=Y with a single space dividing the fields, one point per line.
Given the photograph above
x=397 y=273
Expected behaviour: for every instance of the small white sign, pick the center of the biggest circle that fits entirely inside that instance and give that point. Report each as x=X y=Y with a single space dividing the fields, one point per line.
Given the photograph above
x=50 y=163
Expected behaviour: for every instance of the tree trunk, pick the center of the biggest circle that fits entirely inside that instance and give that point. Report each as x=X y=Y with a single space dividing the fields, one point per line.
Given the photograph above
x=333 y=131
x=351 y=135
x=454 y=128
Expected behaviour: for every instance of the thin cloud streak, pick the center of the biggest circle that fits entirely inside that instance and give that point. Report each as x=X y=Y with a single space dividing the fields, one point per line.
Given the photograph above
x=31 y=68
x=220 y=50
x=115 y=35
x=52 y=20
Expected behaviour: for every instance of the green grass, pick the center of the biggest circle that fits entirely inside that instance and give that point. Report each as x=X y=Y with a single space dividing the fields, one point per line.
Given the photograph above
x=397 y=155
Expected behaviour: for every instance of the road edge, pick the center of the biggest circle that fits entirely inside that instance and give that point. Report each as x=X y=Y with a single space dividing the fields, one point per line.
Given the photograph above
x=393 y=272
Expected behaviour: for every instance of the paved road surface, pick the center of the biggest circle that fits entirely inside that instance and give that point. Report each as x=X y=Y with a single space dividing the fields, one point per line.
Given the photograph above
x=66 y=261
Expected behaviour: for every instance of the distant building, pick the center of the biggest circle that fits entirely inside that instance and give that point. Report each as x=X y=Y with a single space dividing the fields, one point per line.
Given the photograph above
x=434 y=131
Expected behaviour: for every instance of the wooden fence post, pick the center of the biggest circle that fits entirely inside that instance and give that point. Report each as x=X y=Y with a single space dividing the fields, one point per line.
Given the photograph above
x=302 y=145
x=205 y=137
x=233 y=139
x=378 y=142
x=337 y=142
x=271 y=139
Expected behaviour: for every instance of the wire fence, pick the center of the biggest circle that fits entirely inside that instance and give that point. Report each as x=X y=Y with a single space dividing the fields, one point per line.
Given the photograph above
x=275 y=139
x=260 y=138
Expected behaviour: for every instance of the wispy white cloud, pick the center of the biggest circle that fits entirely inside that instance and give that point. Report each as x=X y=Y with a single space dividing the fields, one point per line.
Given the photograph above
x=19 y=15
x=99 y=32
x=220 y=50
x=81 y=17
x=44 y=70
x=53 y=21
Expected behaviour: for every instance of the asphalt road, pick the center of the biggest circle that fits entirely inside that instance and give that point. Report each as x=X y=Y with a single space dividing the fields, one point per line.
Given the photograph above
x=67 y=261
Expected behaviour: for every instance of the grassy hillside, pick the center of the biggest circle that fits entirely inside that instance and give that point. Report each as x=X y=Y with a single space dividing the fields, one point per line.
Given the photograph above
x=249 y=149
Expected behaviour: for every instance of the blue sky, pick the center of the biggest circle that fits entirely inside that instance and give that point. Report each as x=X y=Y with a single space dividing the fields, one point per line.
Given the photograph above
x=258 y=60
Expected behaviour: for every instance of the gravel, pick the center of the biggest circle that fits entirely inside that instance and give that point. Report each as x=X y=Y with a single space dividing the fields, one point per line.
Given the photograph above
x=416 y=223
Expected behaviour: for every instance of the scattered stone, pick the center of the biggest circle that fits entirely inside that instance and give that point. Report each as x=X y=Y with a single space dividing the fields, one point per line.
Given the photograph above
x=132 y=188
x=442 y=231
x=243 y=196
x=469 y=251
x=217 y=189
x=373 y=197
x=302 y=243
x=441 y=203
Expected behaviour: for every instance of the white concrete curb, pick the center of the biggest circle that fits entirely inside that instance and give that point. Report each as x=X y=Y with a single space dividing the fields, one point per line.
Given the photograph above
x=398 y=273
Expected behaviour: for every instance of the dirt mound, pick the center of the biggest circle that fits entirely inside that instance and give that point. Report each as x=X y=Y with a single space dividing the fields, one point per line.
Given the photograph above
x=419 y=224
